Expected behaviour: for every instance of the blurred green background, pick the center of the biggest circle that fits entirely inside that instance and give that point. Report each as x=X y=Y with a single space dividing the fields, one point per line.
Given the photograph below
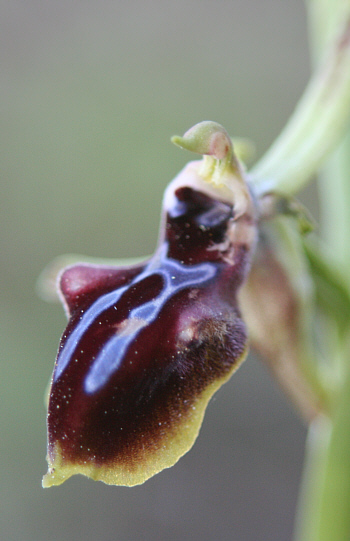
x=90 y=94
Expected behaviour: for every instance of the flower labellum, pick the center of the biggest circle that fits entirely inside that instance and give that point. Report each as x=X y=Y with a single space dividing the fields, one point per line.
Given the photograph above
x=146 y=346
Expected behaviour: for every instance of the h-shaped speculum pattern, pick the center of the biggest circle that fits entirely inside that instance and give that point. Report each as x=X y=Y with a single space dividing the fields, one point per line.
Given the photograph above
x=175 y=277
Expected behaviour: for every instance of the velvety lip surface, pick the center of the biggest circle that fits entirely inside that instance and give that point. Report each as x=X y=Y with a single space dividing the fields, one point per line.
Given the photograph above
x=146 y=347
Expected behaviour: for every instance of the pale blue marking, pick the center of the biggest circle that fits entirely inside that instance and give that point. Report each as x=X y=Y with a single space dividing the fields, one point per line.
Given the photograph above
x=92 y=313
x=175 y=276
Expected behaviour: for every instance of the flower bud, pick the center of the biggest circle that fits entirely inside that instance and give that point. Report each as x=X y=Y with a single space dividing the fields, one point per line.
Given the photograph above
x=276 y=302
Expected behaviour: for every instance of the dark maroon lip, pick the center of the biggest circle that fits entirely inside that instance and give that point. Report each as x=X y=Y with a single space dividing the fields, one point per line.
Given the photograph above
x=143 y=343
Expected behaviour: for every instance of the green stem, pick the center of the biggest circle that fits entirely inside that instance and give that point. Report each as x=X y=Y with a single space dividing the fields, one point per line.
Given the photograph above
x=307 y=525
x=324 y=507
x=334 y=181
x=319 y=121
x=334 y=190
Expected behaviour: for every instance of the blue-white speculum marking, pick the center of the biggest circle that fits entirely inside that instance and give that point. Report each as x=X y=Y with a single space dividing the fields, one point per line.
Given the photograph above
x=175 y=277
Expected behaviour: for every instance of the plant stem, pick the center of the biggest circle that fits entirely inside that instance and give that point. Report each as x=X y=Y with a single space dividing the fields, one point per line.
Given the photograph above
x=319 y=121
x=324 y=507
x=334 y=190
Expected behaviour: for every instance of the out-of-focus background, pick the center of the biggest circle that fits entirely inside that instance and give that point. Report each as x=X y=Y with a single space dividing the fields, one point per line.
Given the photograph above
x=90 y=94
